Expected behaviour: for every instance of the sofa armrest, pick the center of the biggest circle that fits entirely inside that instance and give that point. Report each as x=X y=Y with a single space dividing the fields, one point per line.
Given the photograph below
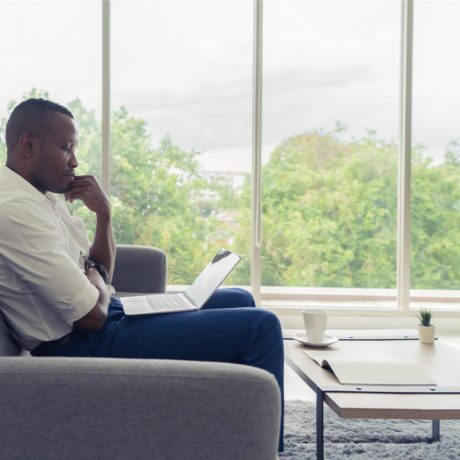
x=139 y=269
x=116 y=408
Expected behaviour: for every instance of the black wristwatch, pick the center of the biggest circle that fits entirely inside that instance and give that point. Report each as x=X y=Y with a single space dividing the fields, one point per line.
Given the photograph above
x=99 y=267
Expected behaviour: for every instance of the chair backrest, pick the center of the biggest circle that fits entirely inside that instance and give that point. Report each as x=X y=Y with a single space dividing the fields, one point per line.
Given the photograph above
x=139 y=269
x=8 y=346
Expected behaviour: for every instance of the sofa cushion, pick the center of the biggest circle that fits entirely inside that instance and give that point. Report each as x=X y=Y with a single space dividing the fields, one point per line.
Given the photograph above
x=8 y=346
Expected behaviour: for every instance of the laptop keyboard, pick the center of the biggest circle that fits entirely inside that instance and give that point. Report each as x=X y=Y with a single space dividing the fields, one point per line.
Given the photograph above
x=168 y=302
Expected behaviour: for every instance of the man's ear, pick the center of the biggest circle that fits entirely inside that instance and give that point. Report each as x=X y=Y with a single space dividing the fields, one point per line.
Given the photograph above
x=27 y=144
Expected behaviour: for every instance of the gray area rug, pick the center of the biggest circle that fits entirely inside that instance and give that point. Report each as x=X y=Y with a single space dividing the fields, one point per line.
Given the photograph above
x=366 y=439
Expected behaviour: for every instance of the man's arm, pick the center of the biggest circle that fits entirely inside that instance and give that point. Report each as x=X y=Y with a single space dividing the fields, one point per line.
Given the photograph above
x=33 y=252
x=87 y=189
x=97 y=316
x=103 y=248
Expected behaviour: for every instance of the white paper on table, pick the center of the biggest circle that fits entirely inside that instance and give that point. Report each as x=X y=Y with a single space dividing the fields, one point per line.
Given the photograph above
x=356 y=371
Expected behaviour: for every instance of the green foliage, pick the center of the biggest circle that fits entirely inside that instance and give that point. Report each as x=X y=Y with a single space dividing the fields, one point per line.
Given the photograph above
x=329 y=212
x=329 y=206
x=436 y=225
x=157 y=195
x=424 y=315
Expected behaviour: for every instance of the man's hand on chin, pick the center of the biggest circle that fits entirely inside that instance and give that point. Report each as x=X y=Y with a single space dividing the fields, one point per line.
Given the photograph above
x=87 y=189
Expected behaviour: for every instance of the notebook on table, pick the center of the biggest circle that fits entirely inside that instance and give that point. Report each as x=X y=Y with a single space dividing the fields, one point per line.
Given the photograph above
x=376 y=371
x=194 y=297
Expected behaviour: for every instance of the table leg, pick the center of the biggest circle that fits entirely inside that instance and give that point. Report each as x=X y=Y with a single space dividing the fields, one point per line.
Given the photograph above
x=319 y=425
x=436 y=430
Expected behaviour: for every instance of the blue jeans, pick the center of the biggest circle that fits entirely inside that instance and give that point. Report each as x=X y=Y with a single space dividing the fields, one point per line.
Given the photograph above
x=226 y=329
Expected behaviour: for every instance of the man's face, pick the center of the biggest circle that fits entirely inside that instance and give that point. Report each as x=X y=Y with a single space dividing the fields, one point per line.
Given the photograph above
x=55 y=162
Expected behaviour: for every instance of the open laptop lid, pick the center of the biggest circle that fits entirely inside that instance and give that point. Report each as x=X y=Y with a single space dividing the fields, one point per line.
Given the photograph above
x=212 y=277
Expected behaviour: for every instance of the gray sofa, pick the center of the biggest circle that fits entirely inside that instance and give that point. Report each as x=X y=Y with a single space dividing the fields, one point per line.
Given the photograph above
x=55 y=408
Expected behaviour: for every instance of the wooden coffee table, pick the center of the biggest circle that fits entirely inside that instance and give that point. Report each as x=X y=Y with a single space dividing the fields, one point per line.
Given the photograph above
x=440 y=361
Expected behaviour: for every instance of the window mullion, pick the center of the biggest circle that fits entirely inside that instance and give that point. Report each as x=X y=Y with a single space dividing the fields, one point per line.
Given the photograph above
x=256 y=225
x=404 y=173
x=105 y=158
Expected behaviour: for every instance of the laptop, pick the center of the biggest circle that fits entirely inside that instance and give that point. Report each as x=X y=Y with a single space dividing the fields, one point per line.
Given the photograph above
x=194 y=297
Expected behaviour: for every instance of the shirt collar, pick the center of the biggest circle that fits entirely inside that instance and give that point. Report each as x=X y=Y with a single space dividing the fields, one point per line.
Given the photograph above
x=26 y=186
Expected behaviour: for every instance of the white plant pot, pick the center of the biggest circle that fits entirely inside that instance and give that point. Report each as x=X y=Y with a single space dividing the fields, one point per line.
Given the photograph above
x=426 y=334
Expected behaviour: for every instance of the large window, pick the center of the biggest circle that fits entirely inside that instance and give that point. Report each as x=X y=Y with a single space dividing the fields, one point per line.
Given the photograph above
x=182 y=132
x=181 y=129
x=329 y=187
x=435 y=195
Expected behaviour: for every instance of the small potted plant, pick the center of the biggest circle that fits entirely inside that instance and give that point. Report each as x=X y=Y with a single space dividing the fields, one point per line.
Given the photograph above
x=425 y=329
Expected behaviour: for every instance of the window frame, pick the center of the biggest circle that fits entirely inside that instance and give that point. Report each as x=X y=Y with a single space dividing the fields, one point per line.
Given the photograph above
x=291 y=299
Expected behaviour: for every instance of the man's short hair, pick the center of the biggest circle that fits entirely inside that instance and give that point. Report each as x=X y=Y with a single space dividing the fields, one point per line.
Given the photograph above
x=29 y=117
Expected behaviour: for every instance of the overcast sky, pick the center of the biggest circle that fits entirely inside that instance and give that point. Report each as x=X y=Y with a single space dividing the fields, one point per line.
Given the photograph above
x=186 y=67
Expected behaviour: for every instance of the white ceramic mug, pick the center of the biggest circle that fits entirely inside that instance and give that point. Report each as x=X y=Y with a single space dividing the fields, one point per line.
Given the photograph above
x=315 y=322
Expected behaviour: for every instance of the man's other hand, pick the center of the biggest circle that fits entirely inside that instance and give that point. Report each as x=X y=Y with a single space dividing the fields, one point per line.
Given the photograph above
x=95 y=319
x=87 y=189
x=95 y=278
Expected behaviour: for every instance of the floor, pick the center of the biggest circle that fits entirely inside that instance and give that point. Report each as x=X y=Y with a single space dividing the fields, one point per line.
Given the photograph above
x=295 y=388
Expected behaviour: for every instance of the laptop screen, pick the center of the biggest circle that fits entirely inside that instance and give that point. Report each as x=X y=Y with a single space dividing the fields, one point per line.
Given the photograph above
x=212 y=277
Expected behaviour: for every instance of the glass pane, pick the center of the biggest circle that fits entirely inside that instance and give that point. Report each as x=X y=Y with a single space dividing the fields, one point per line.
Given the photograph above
x=436 y=150
x=181 y=129
x=330 y=135
x=48 y=52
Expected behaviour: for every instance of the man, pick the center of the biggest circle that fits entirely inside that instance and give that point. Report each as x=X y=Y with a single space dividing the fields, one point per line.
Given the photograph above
x=53 y=290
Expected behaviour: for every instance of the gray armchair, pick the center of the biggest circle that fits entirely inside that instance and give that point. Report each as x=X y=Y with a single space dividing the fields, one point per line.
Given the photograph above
x=117 y=408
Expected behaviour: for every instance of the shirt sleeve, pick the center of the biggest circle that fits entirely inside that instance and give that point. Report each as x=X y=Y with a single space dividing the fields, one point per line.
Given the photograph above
x=32 y=248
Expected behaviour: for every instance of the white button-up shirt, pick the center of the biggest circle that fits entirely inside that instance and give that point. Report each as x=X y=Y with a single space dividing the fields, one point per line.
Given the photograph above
x=43 y=287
